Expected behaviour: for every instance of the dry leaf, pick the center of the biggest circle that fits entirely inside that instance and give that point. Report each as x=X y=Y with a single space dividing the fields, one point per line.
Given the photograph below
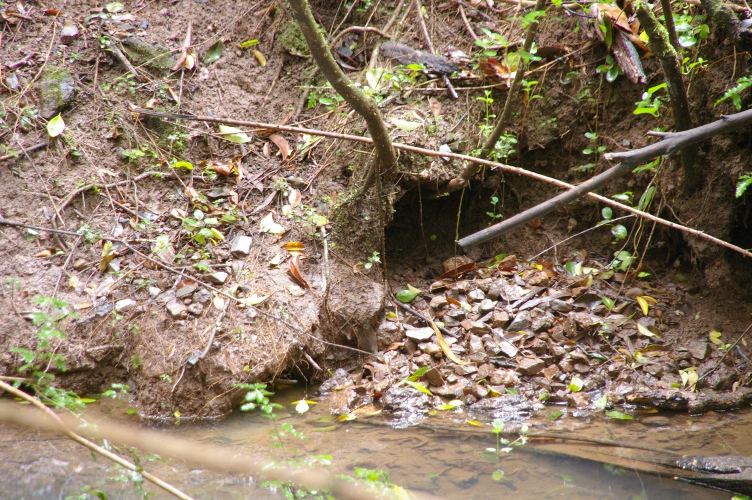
x=444 y=346
x=282 y=144
x=260 y=58
x=294 y=198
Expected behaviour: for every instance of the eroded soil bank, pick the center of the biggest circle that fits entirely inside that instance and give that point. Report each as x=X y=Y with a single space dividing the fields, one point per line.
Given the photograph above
x=195 y=292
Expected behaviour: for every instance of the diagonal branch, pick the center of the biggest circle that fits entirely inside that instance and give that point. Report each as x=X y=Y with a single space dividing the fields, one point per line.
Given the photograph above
x=671 y=143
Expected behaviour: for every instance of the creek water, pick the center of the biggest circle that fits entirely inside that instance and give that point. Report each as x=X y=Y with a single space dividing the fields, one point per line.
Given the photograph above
x=440 y=460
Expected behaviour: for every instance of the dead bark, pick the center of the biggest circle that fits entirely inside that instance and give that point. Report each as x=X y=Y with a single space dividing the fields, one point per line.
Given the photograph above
x=660 y=44
x=363 y=105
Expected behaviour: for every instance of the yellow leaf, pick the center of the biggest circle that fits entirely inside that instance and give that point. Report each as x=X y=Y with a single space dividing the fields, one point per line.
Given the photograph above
x=475 y=423
x=413 y=289
x=260 y=58
x=643 y=304
x=444 y=346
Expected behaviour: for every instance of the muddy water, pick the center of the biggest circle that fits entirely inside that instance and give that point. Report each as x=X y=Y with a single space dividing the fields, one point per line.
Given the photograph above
x=445 y=463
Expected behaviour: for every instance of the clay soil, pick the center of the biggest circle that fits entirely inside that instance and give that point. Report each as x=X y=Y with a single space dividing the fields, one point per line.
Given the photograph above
x=147 y=318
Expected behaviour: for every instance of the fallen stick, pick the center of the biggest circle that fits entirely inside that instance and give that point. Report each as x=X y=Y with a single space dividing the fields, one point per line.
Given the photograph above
x=671 y=143
x=61 y=427
x=220 y=458
x=501 y=166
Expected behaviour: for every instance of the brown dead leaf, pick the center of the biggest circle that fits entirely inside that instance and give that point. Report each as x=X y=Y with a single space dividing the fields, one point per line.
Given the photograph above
x=535 y=223
x=294 y=198
x=295 y=249
x=186 y=59
x=282 y=144
x=47 y=252
x=494 y=68
x=435 y=106
x=459 y=271
x=82 y=305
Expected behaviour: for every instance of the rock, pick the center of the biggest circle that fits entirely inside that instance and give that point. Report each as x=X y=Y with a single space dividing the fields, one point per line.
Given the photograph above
x=654 y=369
x=486 y=305
x=480 y=391
x=438 y=302
x=540 y=320
x=153 y=56
x=566 y=365
x=556 y=350
x=464 y=370
x=434 y=350
x=582 y=368
x=656 y=421
x=550 y=372
x=56 y=88
x=508 y=348
x=520 y=322
x=493 y=292
x=530 y=366
x=388 y=333
x=500 y=318
x=124 y=305
x=460 y=477
x=419 y=334
x=698 y=349
x=217 y=278
x=241 y=246
x=451 y=390
x=561 y=306
x=476 y=296
x=485 y=370
x=154 y=291
x=166 y=296
x=196 y=308
x=504 y=377
x=422 y=360
x=202 y=296
x=185 y=289
x=475 y=327
x=434 y=377
x=475 y=344
x=177 y=309
x=578 y=399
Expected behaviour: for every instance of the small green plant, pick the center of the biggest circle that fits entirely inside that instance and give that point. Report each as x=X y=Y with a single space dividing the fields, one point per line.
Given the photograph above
x=650 y=103
x=745 y=180
x=258 y=397
x=734 y=93
x=689 y=29
x=373 y=259
x=494 y=216
x=610 y=68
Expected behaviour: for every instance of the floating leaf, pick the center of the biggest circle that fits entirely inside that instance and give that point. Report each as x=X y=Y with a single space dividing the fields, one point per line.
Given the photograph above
x=617 y=415
x=55 y=126
x=233 y=134
x=405 y=125
x=303 y=405
x=601 y=402
x=214 y=52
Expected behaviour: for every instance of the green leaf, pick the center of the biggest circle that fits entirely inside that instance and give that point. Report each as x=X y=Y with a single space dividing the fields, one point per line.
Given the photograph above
x=745 y=180
x=617 y=415
x=406 y=296
x=405 y=125
x=646 y=198
x=249 y=43
x=607 y=213
x=555 y=415
x=418 y=387
x=576 y=384
x=619 y=231
x=607 y=302
x=498 y=475
x=233 y=134
x=55 y=126
x=183 y=164
x=214 y=52
x=601 y=402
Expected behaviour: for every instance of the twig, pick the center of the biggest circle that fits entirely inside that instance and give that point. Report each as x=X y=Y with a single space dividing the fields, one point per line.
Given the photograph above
x=352 y=29
x=15 y=155
x=60 y=426
x=671 y=144
x=467 y=24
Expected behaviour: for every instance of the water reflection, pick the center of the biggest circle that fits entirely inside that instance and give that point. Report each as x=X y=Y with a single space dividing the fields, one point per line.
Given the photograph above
x=444 y=462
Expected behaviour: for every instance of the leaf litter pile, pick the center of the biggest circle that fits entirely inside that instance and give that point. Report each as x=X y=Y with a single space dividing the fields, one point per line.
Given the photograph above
x=195 y=255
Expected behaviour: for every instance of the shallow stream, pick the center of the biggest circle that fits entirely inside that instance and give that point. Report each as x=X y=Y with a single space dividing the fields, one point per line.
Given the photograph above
x=442 y=461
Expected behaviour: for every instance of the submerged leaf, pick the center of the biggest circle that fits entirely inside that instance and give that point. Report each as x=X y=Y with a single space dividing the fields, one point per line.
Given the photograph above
x=617 y=415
